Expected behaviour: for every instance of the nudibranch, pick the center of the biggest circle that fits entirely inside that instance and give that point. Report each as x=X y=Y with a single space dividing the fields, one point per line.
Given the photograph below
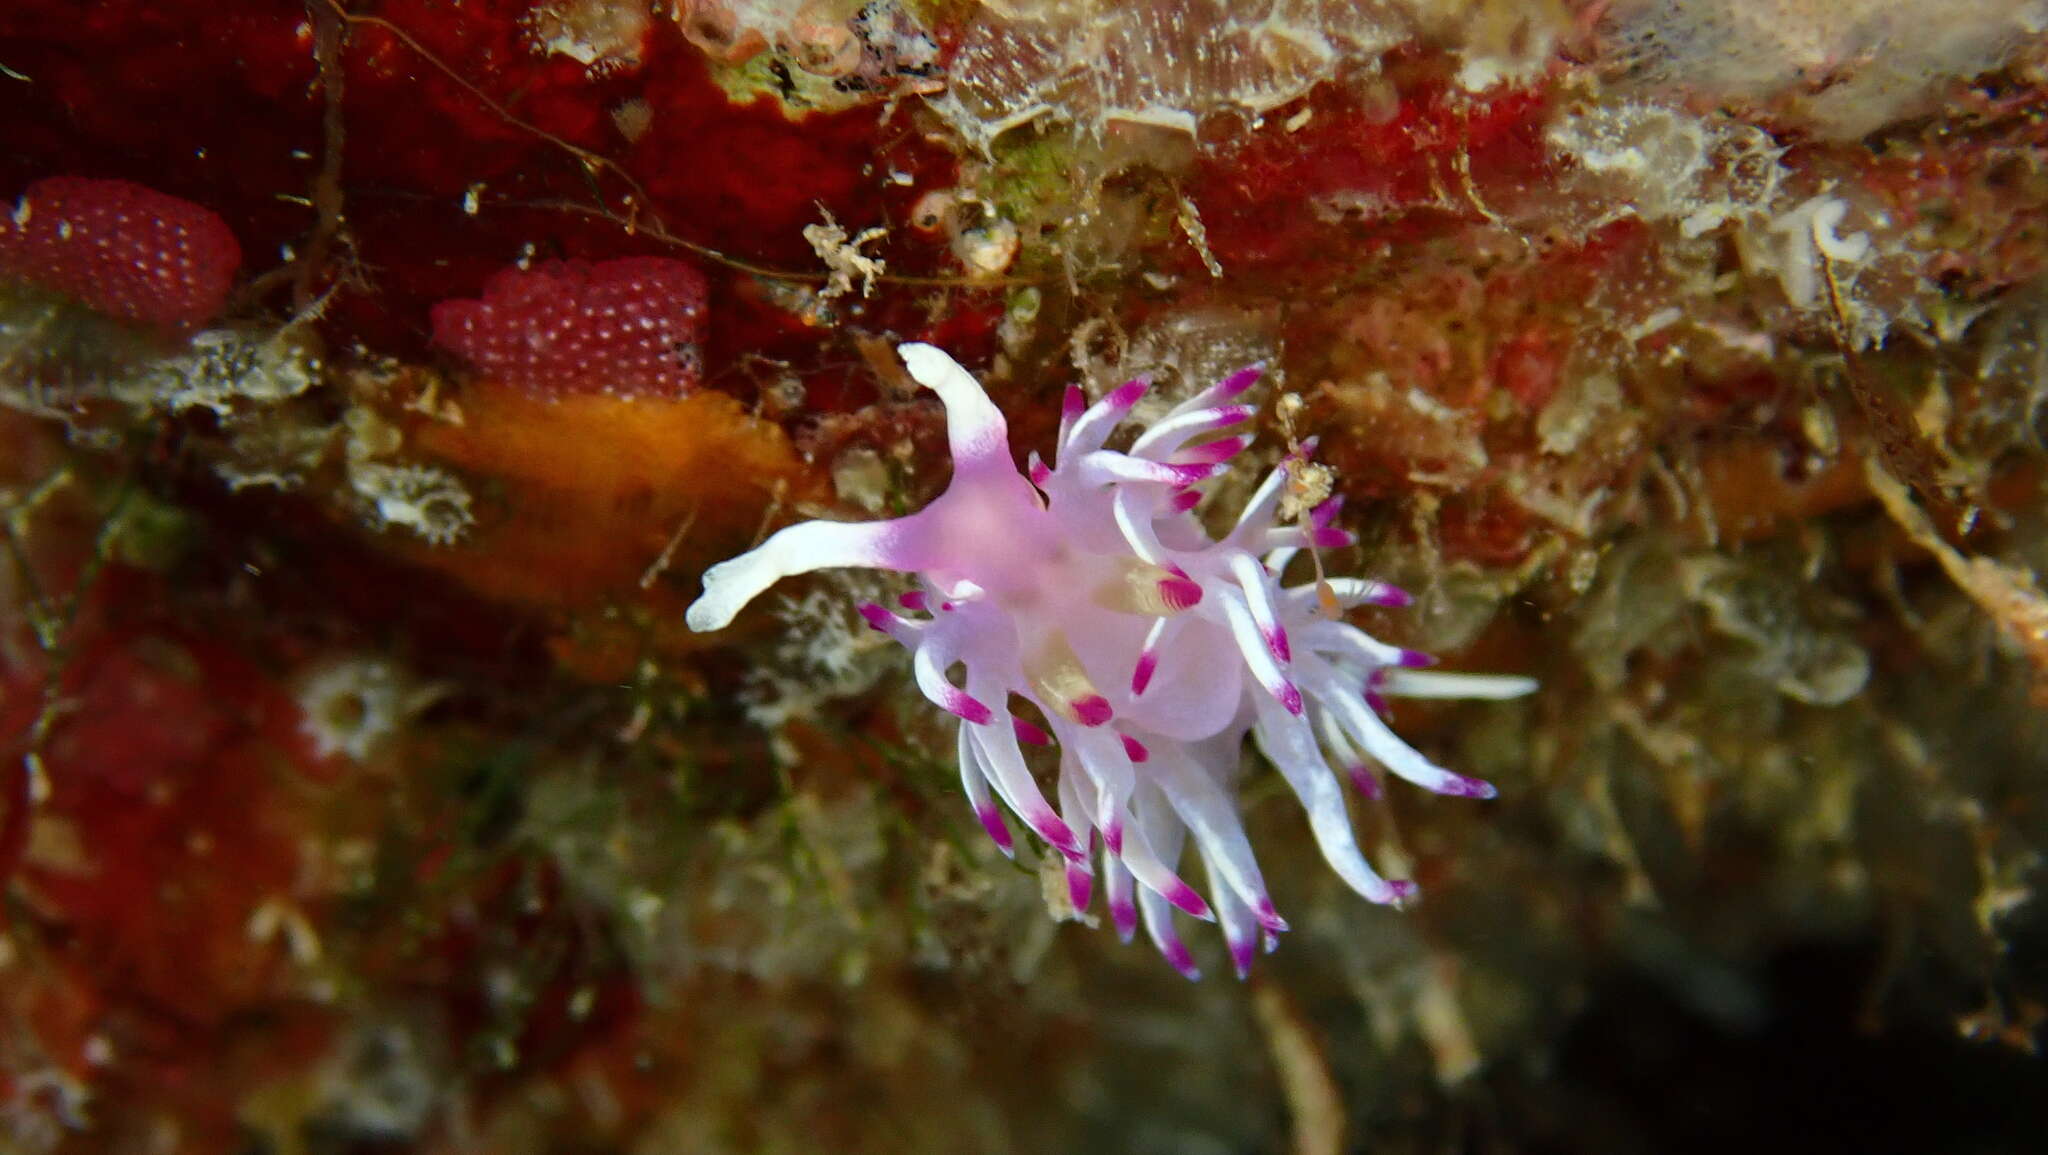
x=1088 y=588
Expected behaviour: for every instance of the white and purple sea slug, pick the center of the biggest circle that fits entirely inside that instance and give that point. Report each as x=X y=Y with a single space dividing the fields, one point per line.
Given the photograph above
x=1090 y=589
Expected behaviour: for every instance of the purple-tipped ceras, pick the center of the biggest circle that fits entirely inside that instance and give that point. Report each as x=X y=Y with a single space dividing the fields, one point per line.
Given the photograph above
x=1089 y=588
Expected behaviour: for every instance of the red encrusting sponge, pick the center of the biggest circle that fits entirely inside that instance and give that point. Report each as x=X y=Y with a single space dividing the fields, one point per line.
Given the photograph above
x=121 y=248
x=629 y=327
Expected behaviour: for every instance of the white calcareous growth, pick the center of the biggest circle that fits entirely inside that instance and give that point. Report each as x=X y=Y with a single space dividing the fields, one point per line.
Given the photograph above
x=1088 y=588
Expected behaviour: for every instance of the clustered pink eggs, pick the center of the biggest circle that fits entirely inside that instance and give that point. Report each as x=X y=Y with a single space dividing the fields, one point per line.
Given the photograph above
x=121 y=248
x=1088 y=588
x=630 y=327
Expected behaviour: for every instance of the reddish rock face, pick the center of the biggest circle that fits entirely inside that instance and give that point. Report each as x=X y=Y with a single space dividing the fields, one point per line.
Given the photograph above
x=1356 y=177
x=622 y=282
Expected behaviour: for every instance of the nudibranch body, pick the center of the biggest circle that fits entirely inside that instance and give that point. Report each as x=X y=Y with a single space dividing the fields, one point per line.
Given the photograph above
x=1089 y=588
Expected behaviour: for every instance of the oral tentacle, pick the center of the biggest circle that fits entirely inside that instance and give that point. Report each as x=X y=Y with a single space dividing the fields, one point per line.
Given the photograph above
x=800 y=549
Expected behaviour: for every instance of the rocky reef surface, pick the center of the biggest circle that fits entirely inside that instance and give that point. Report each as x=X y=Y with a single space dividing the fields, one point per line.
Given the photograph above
x=378 y=379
